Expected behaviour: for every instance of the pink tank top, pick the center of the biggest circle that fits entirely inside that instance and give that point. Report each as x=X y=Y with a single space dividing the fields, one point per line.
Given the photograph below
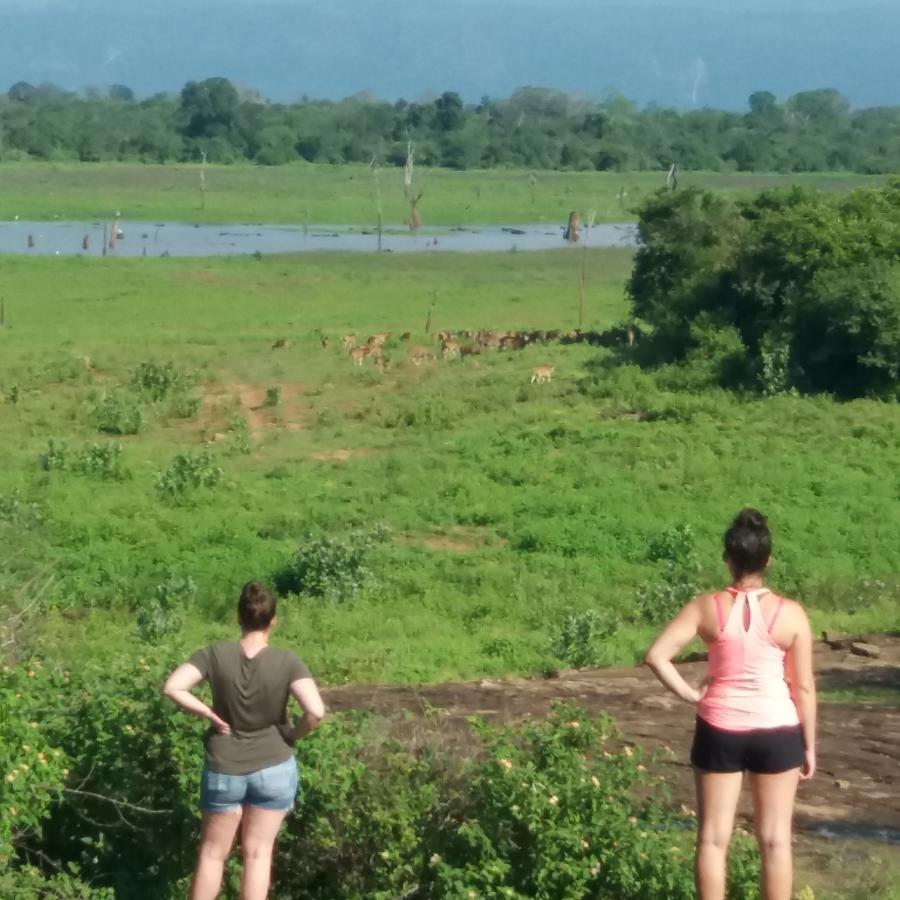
x=745 y=675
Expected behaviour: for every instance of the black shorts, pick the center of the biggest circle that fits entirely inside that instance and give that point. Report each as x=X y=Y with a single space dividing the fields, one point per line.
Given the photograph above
x=764 y=751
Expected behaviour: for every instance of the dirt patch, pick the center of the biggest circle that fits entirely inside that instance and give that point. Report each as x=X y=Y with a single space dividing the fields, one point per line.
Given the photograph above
x=857 y=787
x=455 y=540
x=221 y=402
x=341 y=455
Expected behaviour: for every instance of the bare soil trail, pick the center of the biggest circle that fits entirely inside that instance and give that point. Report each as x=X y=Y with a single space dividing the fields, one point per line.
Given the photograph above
x=856 y=790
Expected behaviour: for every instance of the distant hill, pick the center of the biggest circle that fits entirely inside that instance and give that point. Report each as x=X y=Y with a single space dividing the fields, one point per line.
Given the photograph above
x=712 y=54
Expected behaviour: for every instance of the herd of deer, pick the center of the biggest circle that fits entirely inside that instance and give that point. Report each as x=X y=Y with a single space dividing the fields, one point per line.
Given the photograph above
x=459 y=344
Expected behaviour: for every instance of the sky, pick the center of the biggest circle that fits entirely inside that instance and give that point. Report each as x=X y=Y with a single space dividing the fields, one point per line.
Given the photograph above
x=683 y=53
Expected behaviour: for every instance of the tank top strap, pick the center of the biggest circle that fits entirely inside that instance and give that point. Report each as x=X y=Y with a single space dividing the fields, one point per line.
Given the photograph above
x=776 y=614
x=719 y=614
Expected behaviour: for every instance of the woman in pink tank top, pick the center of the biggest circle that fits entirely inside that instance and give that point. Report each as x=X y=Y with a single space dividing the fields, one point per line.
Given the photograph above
x=756 y=708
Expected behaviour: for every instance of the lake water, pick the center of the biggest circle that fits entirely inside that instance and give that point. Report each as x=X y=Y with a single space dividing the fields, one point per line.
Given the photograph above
x=180 y=239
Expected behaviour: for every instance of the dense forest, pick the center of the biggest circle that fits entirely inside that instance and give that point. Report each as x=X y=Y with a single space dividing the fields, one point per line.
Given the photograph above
x=813 y=131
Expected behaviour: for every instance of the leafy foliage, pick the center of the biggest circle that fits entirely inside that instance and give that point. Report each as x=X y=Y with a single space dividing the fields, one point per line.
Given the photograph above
x=808 y=284
x=580 y=638
x=332 y=568
x=536 y=128
x=187 y=473
x=119 y=412
x=160 y=615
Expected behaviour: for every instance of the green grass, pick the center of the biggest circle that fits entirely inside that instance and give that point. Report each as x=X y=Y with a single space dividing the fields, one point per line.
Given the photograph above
x=342 y=195
x=509 y=503
x=846 y=869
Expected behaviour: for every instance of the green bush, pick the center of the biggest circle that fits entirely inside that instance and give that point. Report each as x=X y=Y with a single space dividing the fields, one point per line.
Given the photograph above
x=32 y=765
x=580 y=638
x=332 y=568
x=658 y=599
x=273 y=396
x=100 y=460
x=119 y=412
x=161 y=615
x=183 y=406
x=56 y=457
x=239 y=430
x=550 y=809
x=186 y=473
x=159 y=380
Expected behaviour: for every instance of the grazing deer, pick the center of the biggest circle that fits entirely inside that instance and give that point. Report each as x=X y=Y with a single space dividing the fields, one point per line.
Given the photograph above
x=513 y=341
x=358 y=355
x=449 y=349
x=348 y=341
x=540 y=374
x=469 y=350
x=376 y=340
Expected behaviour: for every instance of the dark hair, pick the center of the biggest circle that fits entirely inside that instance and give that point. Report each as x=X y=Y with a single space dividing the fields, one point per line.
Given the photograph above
x=748 y=543
x=256 y=608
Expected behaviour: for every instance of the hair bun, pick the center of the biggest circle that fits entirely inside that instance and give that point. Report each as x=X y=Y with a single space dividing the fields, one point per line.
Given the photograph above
x=750 y=518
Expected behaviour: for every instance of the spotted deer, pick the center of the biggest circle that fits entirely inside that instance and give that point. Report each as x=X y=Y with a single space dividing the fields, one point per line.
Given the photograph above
x=541 y=374
x=358 y=355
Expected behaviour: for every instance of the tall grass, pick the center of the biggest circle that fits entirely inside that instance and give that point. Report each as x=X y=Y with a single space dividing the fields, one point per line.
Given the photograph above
x=510 y=506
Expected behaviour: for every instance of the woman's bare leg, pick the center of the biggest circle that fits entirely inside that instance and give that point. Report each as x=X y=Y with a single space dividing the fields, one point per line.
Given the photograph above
x=773 y=810
x=257 y=842
x=717 y=799
x=216 y=840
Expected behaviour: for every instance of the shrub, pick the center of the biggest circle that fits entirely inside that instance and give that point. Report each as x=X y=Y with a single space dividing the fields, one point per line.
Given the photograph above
x=31 y=765
x=333 y=568
x=549 y=809
x=186 y=473
x=183 y=406
x=580 y=637
x=658 y=599
x=101 y=460
x=119 y=413
x=273 y=396
x=158 y=381
x=15 y=511
x=240 y=434
x=675 y=544
x=161 y=614
x=56 y=457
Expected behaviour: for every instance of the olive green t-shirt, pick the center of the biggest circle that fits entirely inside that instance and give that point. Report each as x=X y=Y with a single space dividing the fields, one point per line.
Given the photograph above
x=251 y=695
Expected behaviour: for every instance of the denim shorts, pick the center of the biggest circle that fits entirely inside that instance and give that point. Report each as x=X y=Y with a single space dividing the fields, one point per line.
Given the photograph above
x=272 y=788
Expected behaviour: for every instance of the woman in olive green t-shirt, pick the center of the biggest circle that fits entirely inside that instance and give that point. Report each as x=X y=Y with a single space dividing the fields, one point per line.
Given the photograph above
x=250 y=774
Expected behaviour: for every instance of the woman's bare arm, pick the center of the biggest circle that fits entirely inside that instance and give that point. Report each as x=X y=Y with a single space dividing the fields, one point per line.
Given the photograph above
x=799 y=672
x=673 y=638
x=305 y=692
x=178 y=688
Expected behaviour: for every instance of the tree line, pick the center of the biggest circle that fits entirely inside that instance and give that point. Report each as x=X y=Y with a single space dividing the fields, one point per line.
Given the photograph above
x=541 y=128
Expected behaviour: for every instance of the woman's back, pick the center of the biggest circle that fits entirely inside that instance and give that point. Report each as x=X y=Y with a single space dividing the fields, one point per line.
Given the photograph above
x=746 y=686
x=251 y=694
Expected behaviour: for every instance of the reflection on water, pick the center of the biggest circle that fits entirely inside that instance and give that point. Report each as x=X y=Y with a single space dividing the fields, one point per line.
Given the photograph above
x=178 y=239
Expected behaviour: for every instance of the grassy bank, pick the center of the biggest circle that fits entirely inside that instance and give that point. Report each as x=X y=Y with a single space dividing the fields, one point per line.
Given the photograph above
x=346 y=194
x=509 y=505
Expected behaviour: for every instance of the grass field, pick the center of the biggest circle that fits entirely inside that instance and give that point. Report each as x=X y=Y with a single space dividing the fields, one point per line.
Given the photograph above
x=346 y=194
x=508 y=504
